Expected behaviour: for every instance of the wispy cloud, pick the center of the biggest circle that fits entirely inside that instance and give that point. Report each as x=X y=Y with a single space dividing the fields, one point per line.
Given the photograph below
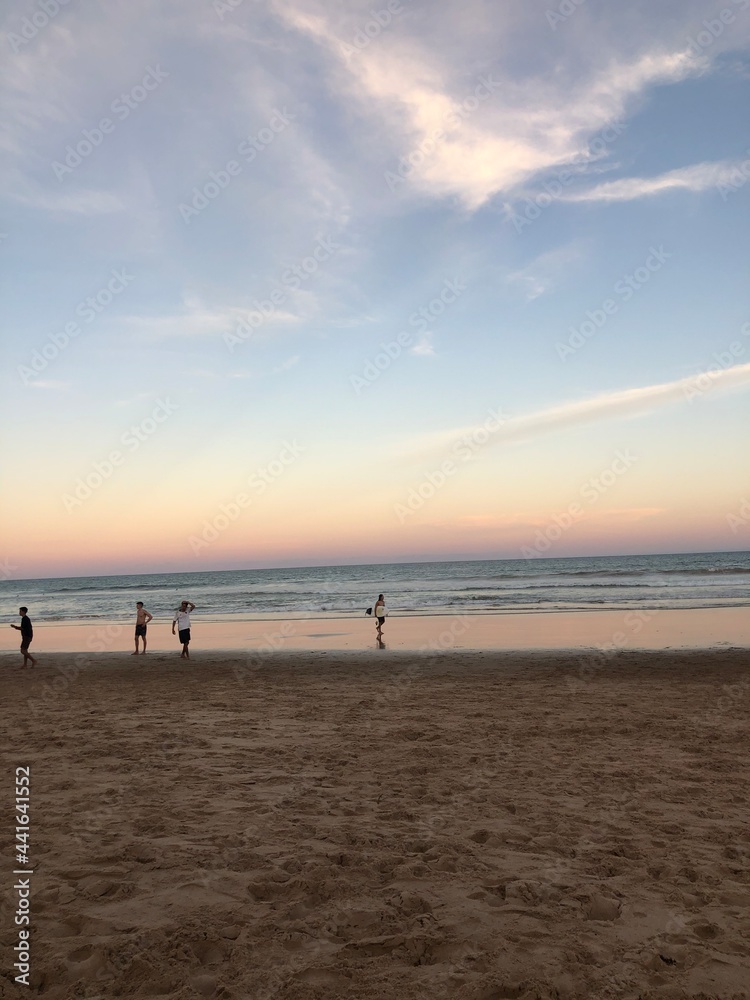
x=78 y=203
x=289 y=363
x=608 y=406
x=699 y=177
x=48 y=384
x=543 y=273
x=424 y=347
x=539 y=519
x=198 y=320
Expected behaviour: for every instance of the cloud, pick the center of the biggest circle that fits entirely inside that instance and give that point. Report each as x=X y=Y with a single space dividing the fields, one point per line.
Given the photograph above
x=539 y=519
x=48 y=384
x=286 y=365
x=197 y=320
x=478 y=137
x=700 y=177
x=543 y=273
x=78 y=203
x=424 y=347
x=607 y=406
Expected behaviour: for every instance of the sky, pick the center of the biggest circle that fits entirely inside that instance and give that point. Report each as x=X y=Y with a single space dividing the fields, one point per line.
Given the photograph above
x=297 y=282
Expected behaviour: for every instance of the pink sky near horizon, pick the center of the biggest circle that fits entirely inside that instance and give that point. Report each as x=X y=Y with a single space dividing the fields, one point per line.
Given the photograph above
x=94 y=553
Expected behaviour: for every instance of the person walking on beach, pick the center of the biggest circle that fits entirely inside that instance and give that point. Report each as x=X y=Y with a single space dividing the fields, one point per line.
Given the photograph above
x=142 y=618
x=182 y=620
x=27 y=634
x=379 y=613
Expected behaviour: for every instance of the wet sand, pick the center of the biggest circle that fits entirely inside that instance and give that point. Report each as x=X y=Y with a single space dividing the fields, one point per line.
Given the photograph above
x=639 y=629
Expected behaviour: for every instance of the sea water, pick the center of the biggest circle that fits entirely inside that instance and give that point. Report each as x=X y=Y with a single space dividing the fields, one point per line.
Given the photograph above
x=716 y=579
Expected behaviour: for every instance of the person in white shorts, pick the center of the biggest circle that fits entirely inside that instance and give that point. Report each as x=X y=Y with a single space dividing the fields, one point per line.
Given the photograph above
x=379 y=612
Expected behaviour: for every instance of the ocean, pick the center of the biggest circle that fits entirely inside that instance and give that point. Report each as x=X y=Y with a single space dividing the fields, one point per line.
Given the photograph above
x=703 y=580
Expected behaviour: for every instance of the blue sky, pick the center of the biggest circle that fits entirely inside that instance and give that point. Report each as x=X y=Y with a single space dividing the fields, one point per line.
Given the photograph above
x=560 y=189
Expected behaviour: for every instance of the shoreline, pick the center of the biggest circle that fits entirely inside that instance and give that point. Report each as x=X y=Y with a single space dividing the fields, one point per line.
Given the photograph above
x=703 y=628
x=356 y=615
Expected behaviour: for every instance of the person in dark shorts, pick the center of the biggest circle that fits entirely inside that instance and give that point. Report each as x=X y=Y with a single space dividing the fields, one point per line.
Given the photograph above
x=182 y=621
x=379 y=613
x=27 y=634
x=142 y=618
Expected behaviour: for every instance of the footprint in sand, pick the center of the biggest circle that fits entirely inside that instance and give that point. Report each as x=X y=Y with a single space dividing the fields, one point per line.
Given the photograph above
x=208 y=952
x=706 y=931
x=81 y=954
x=602 y=908
x=323 y=978
x=65 y=928
x=98 y=888
x=528 y=891
x=204 y=985
x=480 y=836
x=86 y=962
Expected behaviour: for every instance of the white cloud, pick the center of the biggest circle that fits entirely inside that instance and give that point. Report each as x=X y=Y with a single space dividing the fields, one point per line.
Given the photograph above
x=543 y=273
x=424 y=347
x=496 y=135
x=700 y=177
x=48 y=384
x=607 y=406
x=78 y=203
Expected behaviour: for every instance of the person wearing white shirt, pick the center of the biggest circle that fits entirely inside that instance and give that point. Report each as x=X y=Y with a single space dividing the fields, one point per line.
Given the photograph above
x=182 y=621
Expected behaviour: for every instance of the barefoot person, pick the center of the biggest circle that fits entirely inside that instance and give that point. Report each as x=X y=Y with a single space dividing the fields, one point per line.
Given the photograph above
x=379 y=613
x=182 y=620
x=27 y=634
x=142 y=618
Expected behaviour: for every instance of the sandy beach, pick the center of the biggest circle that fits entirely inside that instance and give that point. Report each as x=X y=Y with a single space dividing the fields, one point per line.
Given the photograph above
x=470 y=825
